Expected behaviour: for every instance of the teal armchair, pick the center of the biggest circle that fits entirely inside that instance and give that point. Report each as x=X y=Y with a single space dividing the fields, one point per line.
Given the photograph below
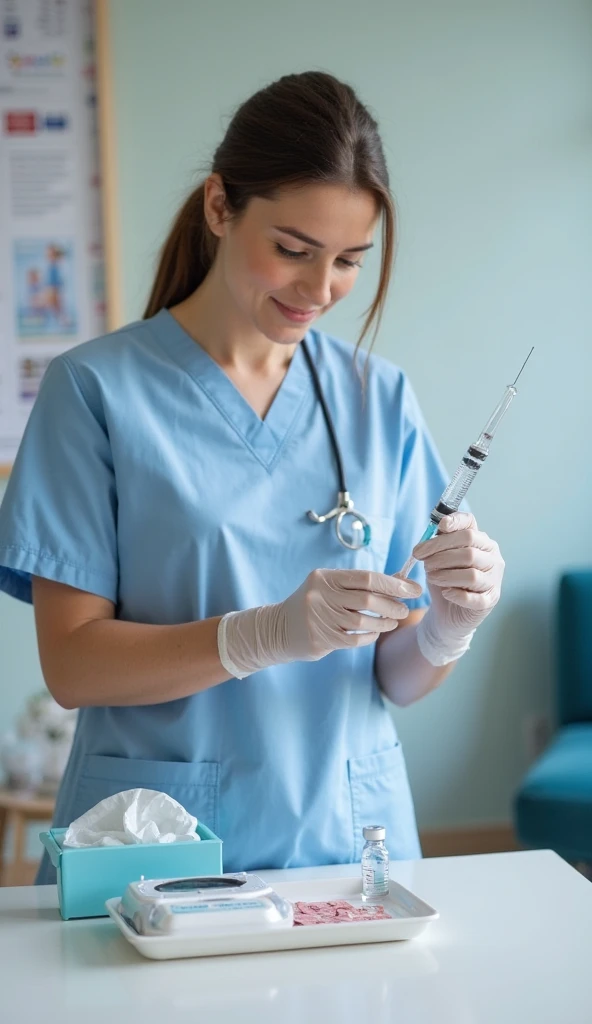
x=553 y=807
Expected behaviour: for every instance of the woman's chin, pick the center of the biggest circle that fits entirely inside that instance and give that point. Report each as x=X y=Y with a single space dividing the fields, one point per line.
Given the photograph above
x=290 y=334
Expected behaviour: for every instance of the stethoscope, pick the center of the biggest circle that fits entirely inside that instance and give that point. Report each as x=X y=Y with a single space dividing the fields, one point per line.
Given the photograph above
x=361 y=533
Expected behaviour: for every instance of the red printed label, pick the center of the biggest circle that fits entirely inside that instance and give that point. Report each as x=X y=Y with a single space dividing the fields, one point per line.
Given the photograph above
x=20 y=122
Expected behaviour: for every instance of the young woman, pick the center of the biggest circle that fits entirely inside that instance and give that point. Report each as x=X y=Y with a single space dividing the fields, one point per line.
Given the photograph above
x=166 y=513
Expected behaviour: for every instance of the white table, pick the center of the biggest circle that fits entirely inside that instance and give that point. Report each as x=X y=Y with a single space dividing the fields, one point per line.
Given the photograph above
x=513 y=946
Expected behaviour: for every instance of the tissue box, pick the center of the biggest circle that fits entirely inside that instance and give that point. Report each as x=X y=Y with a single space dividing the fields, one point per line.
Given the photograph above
x=87 y=877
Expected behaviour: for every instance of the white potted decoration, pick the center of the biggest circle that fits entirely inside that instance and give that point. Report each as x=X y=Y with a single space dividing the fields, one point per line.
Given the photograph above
x=34 y=754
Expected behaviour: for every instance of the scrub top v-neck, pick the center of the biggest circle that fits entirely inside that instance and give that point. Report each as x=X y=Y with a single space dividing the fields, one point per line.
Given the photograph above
x=263 y=437
x=144 y=476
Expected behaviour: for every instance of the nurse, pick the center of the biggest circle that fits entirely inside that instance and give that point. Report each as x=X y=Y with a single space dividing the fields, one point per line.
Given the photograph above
x=216 y=638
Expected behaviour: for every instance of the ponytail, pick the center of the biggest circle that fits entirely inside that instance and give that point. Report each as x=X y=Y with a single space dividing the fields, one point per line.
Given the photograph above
x=185 y=258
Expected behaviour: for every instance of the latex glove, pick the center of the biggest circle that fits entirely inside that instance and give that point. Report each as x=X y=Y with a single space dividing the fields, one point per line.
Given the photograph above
x=316 y=619
x=464 y=570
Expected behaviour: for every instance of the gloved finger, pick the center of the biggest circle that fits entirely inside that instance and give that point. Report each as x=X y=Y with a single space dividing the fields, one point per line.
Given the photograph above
x=457 y=539
x=361 y=639
x=460 y=558
x=457 y=521
x=376 y=583
x=388 y=607
x=358 y=620
x=469 y=579
x=472 y=601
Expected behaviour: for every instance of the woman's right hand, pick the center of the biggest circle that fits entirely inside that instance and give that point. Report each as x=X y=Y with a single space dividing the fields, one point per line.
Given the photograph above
x=327 y=613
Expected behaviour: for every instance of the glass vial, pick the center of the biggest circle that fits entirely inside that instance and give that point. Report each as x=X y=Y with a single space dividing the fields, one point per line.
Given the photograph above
x=375 y=863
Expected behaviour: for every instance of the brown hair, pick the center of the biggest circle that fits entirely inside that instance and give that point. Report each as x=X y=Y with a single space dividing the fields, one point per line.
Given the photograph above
x=302 y=129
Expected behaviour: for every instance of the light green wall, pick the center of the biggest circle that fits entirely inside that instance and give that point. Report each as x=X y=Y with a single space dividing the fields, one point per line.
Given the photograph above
x=486 y=113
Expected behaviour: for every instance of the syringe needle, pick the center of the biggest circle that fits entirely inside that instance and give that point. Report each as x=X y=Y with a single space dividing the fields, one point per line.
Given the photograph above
x=523 y=365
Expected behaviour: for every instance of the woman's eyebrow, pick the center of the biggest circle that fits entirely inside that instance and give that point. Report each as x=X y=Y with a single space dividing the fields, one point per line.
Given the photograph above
x=319 y=245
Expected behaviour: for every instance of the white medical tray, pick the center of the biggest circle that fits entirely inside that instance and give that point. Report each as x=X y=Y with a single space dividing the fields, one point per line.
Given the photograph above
x=408 y=917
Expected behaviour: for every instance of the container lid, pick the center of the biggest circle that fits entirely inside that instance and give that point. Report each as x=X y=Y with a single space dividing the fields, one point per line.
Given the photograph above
x=374 y=832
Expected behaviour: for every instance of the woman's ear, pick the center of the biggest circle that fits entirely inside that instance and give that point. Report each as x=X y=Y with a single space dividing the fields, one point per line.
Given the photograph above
x=215 y=206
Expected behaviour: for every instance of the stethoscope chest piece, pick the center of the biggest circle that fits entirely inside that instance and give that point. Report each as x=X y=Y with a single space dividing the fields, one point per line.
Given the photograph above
x=353 y=535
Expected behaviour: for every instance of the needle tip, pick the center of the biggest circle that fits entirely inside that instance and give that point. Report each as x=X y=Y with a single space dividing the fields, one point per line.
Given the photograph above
x=523 y=365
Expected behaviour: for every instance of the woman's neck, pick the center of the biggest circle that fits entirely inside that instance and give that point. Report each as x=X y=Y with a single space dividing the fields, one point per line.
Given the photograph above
x=255 y=365
x=211 y=319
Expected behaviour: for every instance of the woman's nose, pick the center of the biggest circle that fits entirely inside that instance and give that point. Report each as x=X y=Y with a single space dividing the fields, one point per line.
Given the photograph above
x=315 y=285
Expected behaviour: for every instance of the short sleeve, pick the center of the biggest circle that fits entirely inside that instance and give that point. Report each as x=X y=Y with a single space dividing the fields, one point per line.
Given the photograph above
x=58 y=516
x=422 y=480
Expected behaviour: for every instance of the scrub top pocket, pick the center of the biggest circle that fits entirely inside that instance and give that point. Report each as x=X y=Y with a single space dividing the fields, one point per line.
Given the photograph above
x=195 y=785
x=380 y=795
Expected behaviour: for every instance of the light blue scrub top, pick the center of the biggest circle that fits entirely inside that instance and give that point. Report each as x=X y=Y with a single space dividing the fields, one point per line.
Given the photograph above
x=145 y=477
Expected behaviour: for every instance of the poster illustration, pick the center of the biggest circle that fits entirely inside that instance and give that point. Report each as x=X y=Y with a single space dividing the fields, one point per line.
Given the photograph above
x=45 y=296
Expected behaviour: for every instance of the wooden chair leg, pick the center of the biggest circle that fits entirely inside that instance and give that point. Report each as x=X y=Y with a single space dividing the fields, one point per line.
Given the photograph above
x=13 y=871
x=20 y=840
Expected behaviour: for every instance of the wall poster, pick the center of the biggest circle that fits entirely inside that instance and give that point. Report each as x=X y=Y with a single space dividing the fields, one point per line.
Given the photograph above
x=52 y=293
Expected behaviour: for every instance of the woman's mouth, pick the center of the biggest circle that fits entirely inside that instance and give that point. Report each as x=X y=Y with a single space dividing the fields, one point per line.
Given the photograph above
x=297 y=316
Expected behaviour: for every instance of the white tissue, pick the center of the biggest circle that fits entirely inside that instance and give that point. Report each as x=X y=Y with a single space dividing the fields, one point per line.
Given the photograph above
x=133 y=816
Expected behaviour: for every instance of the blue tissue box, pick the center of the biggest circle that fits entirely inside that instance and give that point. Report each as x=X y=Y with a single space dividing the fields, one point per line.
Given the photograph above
x=89 y=876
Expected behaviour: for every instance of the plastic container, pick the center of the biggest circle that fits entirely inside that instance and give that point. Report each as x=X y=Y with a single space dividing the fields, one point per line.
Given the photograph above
x=88 y=877
x=205 y=906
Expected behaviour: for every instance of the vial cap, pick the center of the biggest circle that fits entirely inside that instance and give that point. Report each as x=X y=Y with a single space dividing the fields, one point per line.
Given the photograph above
x=374 y=832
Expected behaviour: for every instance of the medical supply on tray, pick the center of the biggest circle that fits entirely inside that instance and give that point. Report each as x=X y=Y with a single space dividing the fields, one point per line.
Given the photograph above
x=204 y=905
x=228 y=904
x=336 y=912
x=375 y=863
x=467 y=470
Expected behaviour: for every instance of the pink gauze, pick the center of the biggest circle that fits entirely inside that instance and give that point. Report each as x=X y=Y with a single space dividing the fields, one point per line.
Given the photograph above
x=336 y=912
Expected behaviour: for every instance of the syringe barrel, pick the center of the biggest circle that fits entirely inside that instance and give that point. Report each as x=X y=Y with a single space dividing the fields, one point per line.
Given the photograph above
x=457 y=488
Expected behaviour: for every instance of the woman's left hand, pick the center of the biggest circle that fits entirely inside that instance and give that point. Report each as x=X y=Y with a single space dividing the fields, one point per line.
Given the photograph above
x=464 y=570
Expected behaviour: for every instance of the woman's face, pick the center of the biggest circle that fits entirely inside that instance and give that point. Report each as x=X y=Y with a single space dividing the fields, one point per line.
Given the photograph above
x=286 y=261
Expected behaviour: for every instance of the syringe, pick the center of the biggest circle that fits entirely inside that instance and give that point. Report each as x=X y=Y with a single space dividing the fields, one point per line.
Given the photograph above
x=470 y=465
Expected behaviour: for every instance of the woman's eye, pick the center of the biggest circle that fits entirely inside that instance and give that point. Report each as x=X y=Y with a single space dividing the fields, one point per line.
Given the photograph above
x=292 y=254
x=288 y=252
